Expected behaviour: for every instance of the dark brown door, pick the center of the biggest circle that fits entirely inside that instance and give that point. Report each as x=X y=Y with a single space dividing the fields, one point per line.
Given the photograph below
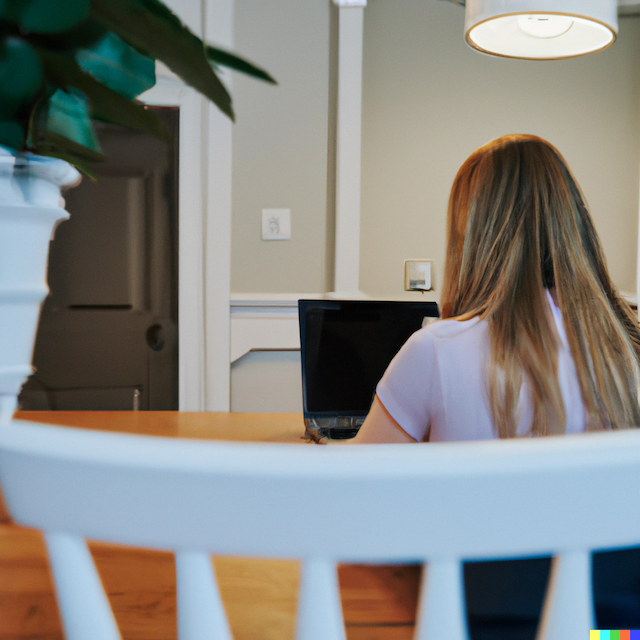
x=108 y=337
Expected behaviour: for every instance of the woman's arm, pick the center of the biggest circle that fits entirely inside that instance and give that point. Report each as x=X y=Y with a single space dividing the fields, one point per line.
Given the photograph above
x=410 y=386
x=378 y=428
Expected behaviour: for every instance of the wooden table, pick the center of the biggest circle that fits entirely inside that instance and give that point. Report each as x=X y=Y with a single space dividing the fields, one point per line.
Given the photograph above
x=260 y=595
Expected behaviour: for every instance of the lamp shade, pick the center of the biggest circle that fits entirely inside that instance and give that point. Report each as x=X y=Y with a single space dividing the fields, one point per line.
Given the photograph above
x=540 y=29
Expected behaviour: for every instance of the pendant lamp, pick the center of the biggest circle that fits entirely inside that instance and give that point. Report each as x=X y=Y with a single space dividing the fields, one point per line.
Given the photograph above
x=540 y=29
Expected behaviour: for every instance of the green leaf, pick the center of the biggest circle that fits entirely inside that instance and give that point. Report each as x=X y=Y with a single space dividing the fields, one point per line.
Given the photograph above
x=20 y=75
x=11 y=134
x=51 y=16
x=226 y=59
x=83 y=34
x=153 y=30
x=56 y=146
x=12 y=9
x=106 y=104
x=160 y=8
x=51 y=141
x=118 y=66
x=69 y=116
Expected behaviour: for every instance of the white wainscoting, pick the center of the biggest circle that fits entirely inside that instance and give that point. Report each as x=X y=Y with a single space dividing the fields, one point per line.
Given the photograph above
x=264 y=328
x=265 y=322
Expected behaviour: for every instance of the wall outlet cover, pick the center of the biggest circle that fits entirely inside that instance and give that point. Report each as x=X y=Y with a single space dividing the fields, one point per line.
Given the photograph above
x=276 y=224
x=417 y=275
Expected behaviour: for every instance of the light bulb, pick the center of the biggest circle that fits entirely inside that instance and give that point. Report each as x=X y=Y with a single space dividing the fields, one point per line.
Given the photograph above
x=544 y=26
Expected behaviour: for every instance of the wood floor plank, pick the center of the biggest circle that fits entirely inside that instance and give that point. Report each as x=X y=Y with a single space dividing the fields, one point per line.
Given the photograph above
x=28 y=609
x=380 y=632
x=385 y=595
x=141 y=586
x=259 y=595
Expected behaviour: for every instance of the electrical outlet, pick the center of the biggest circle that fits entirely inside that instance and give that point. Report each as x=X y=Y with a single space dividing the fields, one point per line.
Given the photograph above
x=276 y=224
x=417 y=275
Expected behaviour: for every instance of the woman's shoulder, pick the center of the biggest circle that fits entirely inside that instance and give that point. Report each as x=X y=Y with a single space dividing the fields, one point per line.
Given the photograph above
x=446 y=334
x=451 y=329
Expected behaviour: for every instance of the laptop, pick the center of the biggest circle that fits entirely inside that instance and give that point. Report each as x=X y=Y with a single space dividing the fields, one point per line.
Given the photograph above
x=346 y=346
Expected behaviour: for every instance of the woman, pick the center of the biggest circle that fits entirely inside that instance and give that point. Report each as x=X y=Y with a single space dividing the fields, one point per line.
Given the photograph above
x=535 y=340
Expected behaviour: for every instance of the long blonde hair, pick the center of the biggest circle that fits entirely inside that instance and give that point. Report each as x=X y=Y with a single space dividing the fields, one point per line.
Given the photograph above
x=517 y=225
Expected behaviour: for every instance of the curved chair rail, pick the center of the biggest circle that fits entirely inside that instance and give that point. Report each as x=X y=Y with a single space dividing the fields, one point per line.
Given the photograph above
x=438 y=503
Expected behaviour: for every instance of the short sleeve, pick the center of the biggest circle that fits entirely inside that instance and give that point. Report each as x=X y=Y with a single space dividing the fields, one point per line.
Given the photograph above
x=409 y=389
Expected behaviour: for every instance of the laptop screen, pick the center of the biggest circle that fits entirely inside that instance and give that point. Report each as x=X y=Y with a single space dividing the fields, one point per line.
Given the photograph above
x=346 y=346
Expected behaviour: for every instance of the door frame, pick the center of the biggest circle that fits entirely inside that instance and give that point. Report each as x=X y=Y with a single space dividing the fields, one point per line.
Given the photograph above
x=192 y=263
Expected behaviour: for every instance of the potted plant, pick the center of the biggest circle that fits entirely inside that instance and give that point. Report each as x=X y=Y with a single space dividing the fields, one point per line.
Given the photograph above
x=64 y=63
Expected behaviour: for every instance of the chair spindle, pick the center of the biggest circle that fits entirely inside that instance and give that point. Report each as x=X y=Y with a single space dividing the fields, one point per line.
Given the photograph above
x=441 y=607
x=201 y=614
x=319 y=606
x=83 y=603
x=568 y=607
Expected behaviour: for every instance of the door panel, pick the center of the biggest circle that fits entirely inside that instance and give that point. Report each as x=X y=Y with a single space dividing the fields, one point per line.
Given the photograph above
x=108 y=334
x=106 y=263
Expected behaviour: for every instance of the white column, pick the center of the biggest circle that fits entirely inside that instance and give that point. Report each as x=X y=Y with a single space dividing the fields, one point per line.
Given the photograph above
x=348 y=147
x=218 y=30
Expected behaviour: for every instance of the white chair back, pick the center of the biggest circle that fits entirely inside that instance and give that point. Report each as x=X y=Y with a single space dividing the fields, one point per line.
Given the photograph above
x=437 y=503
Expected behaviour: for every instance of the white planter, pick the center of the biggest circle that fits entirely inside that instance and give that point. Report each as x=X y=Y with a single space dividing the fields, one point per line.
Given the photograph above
x=30 y=206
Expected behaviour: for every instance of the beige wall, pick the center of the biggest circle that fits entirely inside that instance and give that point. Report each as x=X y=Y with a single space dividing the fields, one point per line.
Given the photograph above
x=280 y=145
x=429 y=101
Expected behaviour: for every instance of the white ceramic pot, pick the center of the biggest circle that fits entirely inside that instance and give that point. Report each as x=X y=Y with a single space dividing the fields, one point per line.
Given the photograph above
x=30 y=207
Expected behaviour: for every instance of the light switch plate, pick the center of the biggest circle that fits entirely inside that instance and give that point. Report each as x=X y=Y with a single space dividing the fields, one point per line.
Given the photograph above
x=417 y=275
x=276 y=224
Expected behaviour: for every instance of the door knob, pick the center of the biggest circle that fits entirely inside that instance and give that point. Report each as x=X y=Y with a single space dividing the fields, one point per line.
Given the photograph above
x=155 y=337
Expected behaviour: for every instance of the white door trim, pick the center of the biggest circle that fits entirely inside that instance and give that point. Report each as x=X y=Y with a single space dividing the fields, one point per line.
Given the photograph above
x=218 y=29
x=204 y=261
x=191 y=359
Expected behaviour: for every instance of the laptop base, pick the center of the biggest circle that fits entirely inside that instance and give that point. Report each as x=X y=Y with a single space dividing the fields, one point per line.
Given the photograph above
x=334 y=428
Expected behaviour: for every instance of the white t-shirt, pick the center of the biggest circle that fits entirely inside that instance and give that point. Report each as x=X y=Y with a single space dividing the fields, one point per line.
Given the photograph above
x=436 y=386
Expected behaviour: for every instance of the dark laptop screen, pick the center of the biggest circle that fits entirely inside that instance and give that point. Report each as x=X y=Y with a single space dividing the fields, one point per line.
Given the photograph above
x=346 y=347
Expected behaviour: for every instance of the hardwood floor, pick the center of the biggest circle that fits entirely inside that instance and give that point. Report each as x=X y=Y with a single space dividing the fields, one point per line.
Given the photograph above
x=259 y=595
x=27 y=604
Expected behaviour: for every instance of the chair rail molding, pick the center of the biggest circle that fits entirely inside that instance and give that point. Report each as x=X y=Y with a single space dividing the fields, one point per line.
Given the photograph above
x=348 y=147
x=265 y=322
